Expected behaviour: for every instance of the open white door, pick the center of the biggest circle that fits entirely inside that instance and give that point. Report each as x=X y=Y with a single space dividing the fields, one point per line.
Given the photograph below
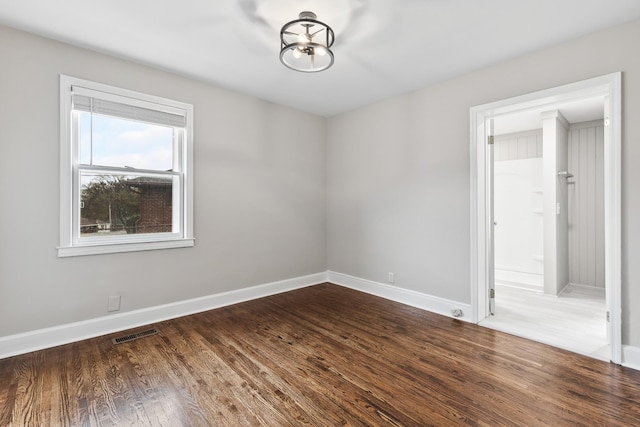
x=491 y=267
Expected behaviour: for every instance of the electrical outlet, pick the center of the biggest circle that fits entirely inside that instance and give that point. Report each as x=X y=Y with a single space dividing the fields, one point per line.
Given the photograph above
x=392 y=278
x=114 y=303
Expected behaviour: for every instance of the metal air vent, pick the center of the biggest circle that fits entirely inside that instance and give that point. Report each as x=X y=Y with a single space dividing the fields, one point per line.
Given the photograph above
x=135 y=336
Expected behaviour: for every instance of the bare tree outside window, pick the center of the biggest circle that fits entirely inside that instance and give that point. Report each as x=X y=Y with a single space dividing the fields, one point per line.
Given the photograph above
x=123 y=204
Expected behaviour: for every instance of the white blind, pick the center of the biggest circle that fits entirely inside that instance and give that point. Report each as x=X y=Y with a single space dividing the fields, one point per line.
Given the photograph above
x=126 y=111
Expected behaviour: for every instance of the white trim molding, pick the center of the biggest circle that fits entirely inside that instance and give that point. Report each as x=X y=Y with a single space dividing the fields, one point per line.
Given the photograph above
x=405 y=296
x=158 y=112
x=13 y=345
x=631 y=357
x=609 y=89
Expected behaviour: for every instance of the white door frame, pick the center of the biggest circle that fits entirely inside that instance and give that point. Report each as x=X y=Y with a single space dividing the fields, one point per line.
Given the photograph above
x=609 y=88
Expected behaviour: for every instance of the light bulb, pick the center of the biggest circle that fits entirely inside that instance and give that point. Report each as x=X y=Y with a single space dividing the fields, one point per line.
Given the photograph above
x=321 y=51
x=297 y=53
x=302 y=38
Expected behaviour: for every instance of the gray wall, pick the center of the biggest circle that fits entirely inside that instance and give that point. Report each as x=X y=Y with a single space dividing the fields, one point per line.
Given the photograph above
x=397 y=184
x=398 y=170
x=259 y=193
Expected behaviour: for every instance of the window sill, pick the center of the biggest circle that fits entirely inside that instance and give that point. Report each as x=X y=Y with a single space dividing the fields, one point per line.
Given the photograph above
x=69 y=251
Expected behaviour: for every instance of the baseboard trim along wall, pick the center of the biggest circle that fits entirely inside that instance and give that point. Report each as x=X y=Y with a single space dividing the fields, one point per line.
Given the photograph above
x=437 y=305
x=13 y=345
x=631 y=357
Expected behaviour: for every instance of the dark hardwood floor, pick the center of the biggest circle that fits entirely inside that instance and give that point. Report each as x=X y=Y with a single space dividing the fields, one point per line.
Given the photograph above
x=320 y=356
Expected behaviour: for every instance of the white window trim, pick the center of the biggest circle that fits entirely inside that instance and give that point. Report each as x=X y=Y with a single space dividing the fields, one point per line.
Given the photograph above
x=68 y=157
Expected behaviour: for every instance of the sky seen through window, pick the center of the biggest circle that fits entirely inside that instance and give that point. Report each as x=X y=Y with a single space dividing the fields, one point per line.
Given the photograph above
x=116 y=142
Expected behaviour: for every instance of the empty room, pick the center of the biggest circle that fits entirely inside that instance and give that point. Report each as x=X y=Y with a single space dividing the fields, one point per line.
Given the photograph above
x=320 y=212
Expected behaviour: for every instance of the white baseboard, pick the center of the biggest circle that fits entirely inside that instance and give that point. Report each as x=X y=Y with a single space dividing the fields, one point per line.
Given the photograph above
x=631 y=357
x=50 y=337
x=405 y=296
x=592 y=290
x=13 y=345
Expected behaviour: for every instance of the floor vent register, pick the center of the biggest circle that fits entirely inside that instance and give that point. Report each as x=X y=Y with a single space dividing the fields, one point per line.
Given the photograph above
x=135 y=336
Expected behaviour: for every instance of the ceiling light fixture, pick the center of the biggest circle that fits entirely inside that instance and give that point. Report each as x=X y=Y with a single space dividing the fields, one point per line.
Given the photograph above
x=306 y=44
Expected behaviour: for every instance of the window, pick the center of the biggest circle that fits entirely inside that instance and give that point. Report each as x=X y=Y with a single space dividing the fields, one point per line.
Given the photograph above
x=125 y=170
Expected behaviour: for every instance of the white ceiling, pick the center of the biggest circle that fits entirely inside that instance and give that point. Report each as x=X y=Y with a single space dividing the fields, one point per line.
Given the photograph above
x=383 y=47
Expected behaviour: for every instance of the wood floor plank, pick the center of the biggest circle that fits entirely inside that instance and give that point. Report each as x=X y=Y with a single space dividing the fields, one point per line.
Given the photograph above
x=338 y=354
x=255 y=361
x=406 y=372
x=319 y=356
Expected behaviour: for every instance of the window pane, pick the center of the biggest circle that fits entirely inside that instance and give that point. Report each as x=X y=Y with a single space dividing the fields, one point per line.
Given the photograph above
x=112 y=141
x=113 y=204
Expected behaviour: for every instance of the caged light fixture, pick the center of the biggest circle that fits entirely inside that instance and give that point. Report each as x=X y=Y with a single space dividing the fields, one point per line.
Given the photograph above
x=305 y=44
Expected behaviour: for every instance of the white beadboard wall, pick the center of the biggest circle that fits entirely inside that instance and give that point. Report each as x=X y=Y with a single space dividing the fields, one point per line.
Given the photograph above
x=518 y=145
x=586 y=204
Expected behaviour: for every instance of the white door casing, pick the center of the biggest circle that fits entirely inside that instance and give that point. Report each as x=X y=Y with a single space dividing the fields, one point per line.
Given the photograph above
x=481 y=198
x=491 y=261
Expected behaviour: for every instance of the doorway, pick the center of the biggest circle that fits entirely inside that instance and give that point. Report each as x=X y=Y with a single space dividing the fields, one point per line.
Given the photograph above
x=553 y=293
x=606 y=90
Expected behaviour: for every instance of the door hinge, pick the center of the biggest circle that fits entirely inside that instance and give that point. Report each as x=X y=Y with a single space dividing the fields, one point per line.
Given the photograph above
x=608 y=316
x=492 y=293
x=490 y=140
